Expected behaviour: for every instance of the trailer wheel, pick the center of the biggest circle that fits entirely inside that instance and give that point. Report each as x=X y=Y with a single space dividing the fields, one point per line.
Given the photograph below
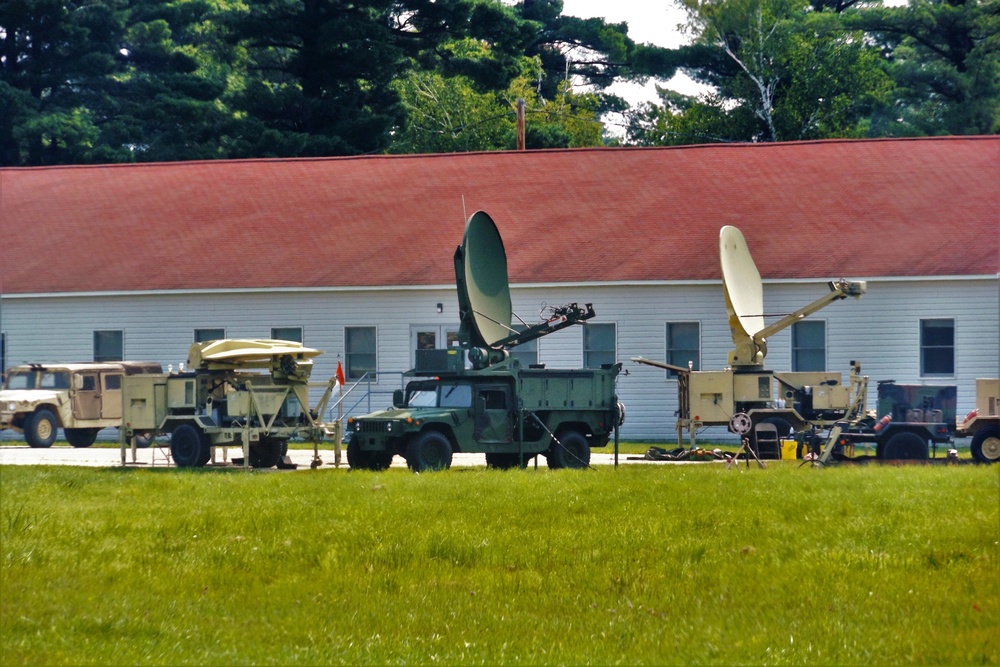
x=905 y=446
x=429 y=451
x=986 y=445
x=188 y=447
x=40 y=428
x=267 y=453
x=81 y=437
x=571 y=451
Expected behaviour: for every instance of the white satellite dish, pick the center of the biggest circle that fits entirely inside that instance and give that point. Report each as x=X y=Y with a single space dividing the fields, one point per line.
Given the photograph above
x=745 y=300
x=744 y=296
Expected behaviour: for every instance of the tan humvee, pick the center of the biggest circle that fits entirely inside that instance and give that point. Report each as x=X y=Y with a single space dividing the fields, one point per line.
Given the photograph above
x=80 y=398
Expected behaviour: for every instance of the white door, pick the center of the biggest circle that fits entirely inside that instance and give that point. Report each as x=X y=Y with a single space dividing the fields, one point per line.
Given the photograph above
x=431 y=337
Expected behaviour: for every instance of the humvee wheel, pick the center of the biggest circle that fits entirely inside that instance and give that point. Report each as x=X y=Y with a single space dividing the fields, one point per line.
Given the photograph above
x=571 y=451
x=359 y=459
x=188 y=447
x=40 y=428
x=986 y=445
x=81 y=437
x=429 y=451
x=506 y=461
x=905 y=446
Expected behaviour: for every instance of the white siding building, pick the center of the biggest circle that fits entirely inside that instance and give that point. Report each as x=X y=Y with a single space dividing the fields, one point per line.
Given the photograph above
x=94 y=264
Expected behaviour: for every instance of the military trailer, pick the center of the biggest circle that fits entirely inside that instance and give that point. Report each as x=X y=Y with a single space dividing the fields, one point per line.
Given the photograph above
x=80 y=398
x=983 y=423
x=477 y=397
x=907 y=419
x=223 y=400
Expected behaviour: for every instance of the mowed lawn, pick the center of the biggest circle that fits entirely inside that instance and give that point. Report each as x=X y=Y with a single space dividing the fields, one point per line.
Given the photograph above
x=646 y=564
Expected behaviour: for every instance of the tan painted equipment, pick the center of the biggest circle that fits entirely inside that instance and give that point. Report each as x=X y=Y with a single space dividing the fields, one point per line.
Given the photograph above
x=80 y=398
x=763 y=405
x=224 y=399
x=983 y=423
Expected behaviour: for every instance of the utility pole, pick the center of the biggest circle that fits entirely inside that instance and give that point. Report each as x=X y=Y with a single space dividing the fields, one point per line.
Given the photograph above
x=520 y=123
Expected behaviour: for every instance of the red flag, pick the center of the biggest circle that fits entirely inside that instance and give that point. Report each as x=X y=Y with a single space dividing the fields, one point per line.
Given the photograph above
x=340 y=374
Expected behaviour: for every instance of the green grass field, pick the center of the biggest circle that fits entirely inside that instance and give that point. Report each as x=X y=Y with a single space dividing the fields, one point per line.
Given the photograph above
x=689 y=564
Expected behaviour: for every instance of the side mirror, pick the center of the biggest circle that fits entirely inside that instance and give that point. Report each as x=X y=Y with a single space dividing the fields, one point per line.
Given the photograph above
x=77 y=382
x=397 y=398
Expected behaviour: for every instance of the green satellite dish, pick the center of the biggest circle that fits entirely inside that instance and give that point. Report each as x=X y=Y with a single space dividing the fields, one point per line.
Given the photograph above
x=483 y=287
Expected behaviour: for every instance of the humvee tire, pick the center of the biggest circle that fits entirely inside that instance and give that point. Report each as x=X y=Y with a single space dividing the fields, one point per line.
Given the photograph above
x=40 y=428
x=429 y=451
x=986 y=445
x=571 y=451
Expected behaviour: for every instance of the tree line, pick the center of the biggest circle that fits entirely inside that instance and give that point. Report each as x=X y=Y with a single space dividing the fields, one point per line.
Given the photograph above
x=161 y=80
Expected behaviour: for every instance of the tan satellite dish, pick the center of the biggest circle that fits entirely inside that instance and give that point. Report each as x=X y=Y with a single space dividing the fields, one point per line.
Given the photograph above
x=745 y=300
x=744 y=297
x=246 y=352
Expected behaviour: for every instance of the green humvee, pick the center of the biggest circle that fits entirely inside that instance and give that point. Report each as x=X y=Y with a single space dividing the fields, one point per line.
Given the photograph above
x=495 y=407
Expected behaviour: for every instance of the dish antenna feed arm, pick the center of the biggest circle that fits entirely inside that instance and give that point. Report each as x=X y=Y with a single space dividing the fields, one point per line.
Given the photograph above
x=745 y=300
x=484 y=304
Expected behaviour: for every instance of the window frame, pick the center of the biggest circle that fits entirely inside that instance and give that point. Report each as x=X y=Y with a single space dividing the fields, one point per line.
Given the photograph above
x=795 y=349
x=350 y=356
x=926 y=348
x=108 y=335
x=588 y=351
x=669 y=356
x=301 y=337
x=519 y=352
x=200 y=334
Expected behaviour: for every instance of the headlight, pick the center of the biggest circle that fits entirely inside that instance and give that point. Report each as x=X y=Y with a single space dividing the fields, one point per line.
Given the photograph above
x=10 y=407
x=388 y=427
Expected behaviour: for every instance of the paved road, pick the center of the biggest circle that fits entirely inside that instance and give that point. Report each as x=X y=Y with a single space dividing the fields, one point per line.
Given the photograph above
x=156 y=456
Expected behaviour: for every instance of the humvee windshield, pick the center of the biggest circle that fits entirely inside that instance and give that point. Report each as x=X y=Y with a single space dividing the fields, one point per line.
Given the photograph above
x=448 y=395
x=37 y=380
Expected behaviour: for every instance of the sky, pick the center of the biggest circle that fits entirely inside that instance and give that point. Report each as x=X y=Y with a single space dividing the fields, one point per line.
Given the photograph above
x=653 y=21
x=649 y=21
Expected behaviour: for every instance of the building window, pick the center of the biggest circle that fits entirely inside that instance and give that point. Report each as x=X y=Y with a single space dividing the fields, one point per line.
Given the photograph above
x=525 y=353
x=809 y=346
x=202 y=335
x=287 y=333
x=109 y=346
x=937 y=347
x=683 y=345
x=359 y=352
x=599 y=345
x=3 y=353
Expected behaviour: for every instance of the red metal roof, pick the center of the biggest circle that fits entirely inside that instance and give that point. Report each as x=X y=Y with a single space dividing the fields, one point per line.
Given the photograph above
x=827 y=209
